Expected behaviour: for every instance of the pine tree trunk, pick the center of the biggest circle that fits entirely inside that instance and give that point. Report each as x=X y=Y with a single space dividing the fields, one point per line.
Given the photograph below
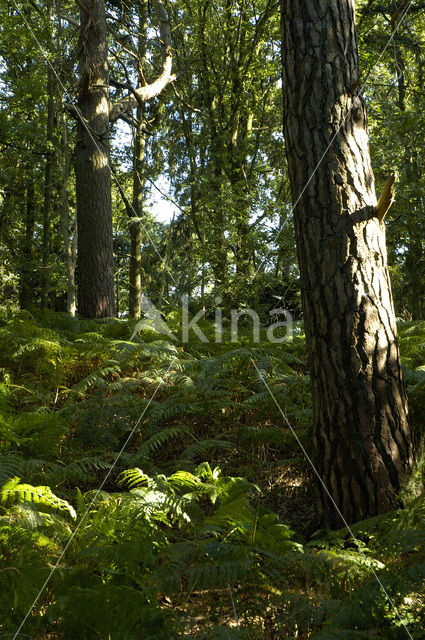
x=95 y=264
x=363 y=445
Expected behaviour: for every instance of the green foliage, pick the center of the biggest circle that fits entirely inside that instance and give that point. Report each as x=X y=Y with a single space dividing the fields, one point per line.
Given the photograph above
x=13 y=492
x=174 y=546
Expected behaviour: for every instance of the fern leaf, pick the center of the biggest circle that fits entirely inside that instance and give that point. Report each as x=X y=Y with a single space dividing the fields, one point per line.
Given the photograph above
x=156 y=441
x=13 y=492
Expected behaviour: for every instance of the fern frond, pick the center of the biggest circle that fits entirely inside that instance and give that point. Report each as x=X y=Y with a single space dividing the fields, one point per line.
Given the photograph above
x=110 y=367
x=202 y=448
x=133 y=478
x=13 y=492
x=13 y=464
x=156 y=441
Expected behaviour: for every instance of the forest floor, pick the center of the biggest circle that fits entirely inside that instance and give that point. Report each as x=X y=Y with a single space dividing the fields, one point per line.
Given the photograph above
x=204 y=525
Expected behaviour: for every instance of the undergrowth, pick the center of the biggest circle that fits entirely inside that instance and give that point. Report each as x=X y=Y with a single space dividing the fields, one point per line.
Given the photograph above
x=204 y=523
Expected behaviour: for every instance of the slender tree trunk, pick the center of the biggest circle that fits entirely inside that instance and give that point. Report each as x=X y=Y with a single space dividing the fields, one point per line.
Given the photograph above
x=48 y=189
x=239 y=148
x=26 y=284
x=117 y=287
x=238 y=151
x=164 y=274
x=363 y=445
x=136 y=231
x=135 y=274
x=217 y=244
x=414 y=279
x=195 y=191
x=68 y=239
x=95 y=263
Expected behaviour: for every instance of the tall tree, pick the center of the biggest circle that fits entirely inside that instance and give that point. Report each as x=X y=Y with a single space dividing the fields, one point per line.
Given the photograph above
x=136 y=229
x=227 y=114
x=395 y=97
x=361 y=434
x=94 y=113
x=68 y=220
x=26 y=289
x=48 y=188
x=95 y=262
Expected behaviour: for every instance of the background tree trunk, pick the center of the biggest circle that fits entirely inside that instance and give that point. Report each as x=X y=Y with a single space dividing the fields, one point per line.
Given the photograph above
x=68 y=239
x=361 y=436
x=26 y=279
x=136 y=231
x=48 y=188
x=95 y=264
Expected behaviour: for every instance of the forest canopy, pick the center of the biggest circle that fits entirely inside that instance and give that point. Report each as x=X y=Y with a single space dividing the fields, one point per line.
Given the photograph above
x=213 y=144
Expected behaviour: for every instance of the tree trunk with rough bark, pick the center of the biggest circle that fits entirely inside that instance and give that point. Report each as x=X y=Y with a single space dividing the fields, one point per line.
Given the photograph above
x=95 y=268
x=95 y=263
x=362 y=441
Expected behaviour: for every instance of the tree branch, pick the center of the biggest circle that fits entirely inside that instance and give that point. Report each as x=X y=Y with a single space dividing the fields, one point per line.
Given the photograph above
x=75 y=23
x=128 y=207
x=144 y=93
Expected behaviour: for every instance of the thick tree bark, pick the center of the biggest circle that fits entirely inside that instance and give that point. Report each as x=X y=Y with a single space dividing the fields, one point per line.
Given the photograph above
x=361 y=435
x=95 y=264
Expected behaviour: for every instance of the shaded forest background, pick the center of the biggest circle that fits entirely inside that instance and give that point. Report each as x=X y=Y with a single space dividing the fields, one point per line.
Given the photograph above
x=214 y=136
